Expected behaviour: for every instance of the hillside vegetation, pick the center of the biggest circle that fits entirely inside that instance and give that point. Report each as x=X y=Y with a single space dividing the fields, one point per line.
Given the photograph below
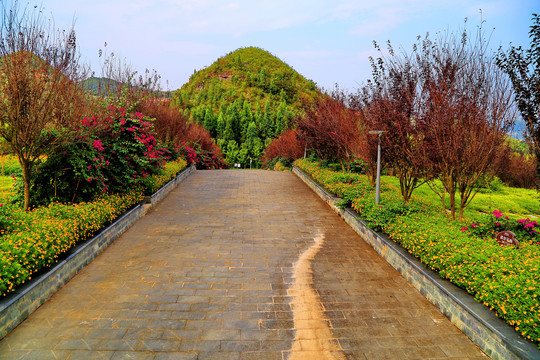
x=245 y=99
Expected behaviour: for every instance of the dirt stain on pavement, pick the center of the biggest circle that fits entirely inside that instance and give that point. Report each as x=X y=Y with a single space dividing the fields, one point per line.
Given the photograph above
x=313 y=336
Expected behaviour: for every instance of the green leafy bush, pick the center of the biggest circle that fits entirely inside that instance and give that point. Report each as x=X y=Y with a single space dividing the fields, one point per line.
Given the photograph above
x=503 y=278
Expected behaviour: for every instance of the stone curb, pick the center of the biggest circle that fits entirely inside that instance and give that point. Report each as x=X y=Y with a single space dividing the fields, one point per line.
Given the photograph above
x=17 y=306
x=167 y=188
x=497 y=339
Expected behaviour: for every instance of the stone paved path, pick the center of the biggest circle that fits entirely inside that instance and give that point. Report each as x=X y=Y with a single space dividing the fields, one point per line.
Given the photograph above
x=238 y=265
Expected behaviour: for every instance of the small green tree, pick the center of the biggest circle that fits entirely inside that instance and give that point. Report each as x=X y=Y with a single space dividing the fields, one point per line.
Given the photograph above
x=220 y=126
x=210 y=121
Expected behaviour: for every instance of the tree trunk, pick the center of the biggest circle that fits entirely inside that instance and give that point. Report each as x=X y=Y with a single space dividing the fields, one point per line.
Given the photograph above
x=25 y=166
x=452 y=194
x=538 y=168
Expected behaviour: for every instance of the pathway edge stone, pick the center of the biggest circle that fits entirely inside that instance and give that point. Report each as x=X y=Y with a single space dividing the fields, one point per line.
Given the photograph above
x=497 y=339
x=17 y=306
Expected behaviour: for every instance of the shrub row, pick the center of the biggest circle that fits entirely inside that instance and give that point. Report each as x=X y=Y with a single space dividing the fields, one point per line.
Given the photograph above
x=503 y=278
x=32 y=241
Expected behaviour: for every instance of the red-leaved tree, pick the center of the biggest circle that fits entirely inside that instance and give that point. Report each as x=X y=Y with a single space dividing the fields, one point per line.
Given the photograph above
x=391 y=103
x=332 y=129
x=467 y=111
x=288 y=146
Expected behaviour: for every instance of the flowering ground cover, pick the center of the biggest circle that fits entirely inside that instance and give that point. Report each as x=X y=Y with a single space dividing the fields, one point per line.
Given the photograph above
x=31 y=241
x=503 y=278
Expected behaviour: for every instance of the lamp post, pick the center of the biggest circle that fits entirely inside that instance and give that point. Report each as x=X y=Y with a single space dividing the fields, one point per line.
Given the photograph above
x=378 y=186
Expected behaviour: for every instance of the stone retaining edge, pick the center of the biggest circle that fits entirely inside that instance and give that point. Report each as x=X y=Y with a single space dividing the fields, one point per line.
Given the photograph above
x=496 y=338
x=17 y=306
x=167 y=188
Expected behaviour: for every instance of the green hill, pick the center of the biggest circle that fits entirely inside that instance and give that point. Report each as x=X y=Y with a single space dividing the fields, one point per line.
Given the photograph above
x=102 y=86
x=245 y=99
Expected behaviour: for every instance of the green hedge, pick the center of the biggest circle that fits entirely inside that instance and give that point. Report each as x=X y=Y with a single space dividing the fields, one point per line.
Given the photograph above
x=505 y=279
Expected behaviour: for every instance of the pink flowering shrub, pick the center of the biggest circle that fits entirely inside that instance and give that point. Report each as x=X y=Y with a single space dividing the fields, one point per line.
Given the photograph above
x=525 y=229
x=203 y=159
x=110 y=154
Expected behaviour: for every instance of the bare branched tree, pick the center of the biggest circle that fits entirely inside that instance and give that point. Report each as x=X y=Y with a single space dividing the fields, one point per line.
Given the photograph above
x=40 y=85
x=123 y=85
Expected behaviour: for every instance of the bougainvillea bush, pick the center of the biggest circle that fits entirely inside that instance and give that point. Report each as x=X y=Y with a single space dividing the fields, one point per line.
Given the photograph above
x=112 y=163
x=488 y=226
x=201 y=158
x=503 y=278
x=109 y=154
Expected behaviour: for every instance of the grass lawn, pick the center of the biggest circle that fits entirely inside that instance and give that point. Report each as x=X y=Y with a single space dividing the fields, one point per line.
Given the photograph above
x=512 y=201
x=6 y=182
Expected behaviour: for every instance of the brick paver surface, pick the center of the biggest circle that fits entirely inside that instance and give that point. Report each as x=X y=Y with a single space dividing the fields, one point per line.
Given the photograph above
x=238 y=265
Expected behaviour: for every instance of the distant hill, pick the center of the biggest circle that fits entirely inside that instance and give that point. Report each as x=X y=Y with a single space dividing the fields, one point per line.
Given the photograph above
x=245 y=99
x=102 y=86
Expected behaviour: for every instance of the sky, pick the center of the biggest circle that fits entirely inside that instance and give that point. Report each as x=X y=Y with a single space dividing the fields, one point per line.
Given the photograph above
x=328 y=42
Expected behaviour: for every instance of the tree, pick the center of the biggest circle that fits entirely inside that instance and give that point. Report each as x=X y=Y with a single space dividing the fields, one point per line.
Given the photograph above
x=288 y=146
x=232 y=128
x=281 y=119
x=122 y=86
x=210 y=121
x=220 y=125
x=331 y=129
x=40 y=75
x=267 y=122
x=523 y=67
x=466 y=112
x=391 y=103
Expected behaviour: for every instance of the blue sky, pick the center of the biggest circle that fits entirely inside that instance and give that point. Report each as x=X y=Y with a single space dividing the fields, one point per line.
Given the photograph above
x=326 y=41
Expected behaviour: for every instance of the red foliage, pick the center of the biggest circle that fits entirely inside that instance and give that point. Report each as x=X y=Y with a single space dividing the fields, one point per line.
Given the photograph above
x=332 y=129
x=198 y=134
x=173 y=129
x=517 y=170
x=287 y=146
x=170 y=125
